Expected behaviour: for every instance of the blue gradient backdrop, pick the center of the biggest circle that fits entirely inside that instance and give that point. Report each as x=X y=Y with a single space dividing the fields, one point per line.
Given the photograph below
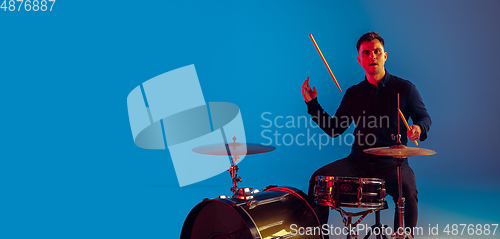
x=69 y=167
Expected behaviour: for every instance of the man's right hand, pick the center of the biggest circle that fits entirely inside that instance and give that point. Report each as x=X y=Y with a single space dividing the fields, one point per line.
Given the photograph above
x=307 y=93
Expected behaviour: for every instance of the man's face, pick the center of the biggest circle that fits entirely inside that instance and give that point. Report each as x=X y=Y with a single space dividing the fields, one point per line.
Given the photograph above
x=371 y=57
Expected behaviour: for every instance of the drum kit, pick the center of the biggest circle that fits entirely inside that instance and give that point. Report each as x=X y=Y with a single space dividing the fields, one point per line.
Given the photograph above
x=282 y=212
x=367 y=193
x=269 y=213
x=286 y=212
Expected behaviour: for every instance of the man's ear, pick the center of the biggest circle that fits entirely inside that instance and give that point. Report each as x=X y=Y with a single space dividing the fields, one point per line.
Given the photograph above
x=359 y=61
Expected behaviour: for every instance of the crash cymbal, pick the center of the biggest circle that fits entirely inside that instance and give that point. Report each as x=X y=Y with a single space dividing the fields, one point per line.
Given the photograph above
x=234 y=149
x=399 y=151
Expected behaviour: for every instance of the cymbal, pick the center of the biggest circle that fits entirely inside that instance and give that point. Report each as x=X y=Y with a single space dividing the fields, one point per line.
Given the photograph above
x=234 y=149
x=399 y=151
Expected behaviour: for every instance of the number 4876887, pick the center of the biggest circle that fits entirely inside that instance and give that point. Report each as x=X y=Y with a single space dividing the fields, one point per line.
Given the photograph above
x=27 y=5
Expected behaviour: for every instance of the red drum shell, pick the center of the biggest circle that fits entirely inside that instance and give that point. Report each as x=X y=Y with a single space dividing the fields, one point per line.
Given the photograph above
x=269 y=213
x=353 y=192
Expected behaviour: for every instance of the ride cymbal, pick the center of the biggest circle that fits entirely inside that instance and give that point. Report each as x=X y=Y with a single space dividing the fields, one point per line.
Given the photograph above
x=399 y=151
x=234 y=149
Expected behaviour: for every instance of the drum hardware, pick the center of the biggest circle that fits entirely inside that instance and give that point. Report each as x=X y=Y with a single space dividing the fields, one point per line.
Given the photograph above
x=368 y=193
x=234 y=150
x=396 y=137
x=400 y=153
x=235 y=178
x=254 y=203
x=243 y=194
x=378 y=225
x=347 y=220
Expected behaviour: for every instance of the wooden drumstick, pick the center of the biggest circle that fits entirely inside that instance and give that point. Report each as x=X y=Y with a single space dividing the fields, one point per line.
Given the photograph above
x=326 y=64
x=406 y=123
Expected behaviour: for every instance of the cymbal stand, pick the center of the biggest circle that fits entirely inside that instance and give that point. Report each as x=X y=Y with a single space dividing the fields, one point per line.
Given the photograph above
x=233 y=170
x=398 y=136
x=401 y=199
x=351 y=227
x=378 y=225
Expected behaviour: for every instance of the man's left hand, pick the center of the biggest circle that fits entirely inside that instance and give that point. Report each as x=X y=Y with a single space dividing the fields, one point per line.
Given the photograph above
x=414 y=132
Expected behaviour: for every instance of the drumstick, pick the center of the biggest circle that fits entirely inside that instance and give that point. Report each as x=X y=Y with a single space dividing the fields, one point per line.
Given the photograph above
x=406 y=123
x=326 y=64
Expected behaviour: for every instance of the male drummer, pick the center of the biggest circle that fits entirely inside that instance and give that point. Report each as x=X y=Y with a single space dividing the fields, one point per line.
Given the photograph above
x=374 y=98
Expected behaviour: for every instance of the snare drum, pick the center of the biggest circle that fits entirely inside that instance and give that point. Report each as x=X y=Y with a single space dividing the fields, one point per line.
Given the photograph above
x=277 y=212
x=349 y=192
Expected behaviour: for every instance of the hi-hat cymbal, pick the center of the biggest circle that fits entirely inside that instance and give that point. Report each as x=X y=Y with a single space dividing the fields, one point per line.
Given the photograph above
x=399 y=151
x=234 y=149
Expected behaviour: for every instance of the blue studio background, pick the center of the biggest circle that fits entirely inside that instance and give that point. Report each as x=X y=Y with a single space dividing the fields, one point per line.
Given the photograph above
x=69 y=167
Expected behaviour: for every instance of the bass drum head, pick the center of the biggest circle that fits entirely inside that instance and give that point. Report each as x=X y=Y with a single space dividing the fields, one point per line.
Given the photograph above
x=269 y=214
x=215 y=219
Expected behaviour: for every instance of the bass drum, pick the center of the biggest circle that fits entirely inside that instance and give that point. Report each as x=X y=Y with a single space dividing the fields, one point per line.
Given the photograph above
x=276 y=212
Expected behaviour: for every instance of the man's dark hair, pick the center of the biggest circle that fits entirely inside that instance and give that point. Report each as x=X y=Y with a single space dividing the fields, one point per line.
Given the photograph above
x=369 y=36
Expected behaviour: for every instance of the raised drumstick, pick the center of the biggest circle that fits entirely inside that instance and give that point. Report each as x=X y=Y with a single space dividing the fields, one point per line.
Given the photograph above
x=406 y=123
x=326 y=64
